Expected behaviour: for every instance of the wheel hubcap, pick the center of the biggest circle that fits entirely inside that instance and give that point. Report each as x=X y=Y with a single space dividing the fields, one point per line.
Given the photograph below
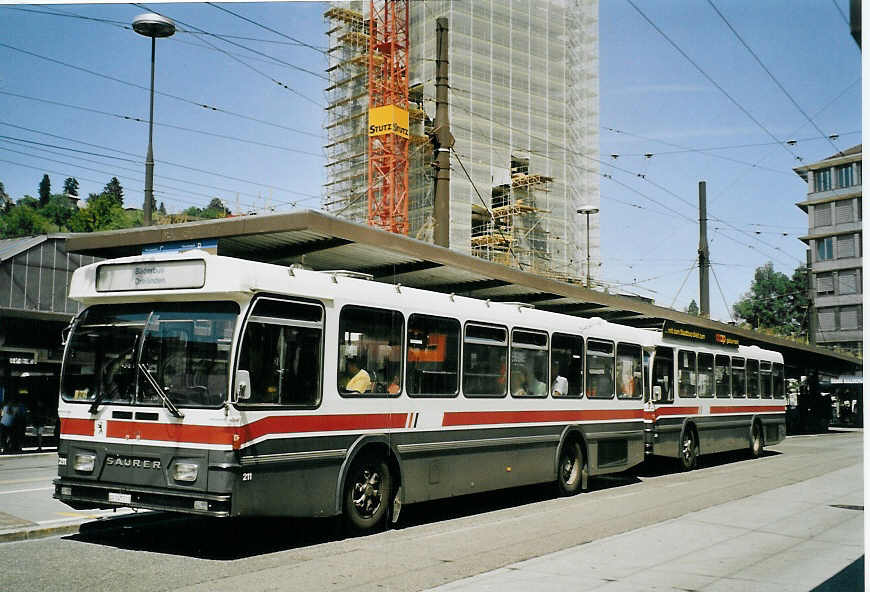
x=367 y=493
x=688 y=450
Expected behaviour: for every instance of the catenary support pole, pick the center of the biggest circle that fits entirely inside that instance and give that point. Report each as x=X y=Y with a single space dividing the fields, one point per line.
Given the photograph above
x=442 y=139
x=703 y=252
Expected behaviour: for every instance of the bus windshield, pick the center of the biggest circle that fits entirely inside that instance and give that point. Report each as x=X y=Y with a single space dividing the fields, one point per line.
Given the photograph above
x=118 y=351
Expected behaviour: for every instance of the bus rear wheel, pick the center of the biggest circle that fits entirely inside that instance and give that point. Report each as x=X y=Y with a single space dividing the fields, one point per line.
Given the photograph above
x=688 y=450
x=367 y=494
x=570 y=468
x=756 y=445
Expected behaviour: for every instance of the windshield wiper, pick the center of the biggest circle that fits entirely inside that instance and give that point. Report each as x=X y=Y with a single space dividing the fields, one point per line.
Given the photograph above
x=149 y=378
x=98 y=400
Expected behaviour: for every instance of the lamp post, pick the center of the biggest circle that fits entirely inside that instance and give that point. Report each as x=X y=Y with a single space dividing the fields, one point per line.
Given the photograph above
x=153 y=26
x=587 y=210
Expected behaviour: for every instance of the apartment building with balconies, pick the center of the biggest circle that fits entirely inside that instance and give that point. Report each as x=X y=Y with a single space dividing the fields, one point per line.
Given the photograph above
x=833 y=206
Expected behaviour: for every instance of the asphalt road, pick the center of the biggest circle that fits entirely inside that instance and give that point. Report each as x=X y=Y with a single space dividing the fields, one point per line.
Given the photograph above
x=437 y=542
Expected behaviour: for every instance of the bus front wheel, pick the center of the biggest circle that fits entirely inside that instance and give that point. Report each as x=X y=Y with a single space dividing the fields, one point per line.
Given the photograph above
x=688 y=450
x=367 y=493
x=570 y=468
x=756 y=445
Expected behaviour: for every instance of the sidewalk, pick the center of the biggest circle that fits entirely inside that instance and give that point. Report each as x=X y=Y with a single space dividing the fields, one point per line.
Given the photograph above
x=806 y=536
x=21 y=519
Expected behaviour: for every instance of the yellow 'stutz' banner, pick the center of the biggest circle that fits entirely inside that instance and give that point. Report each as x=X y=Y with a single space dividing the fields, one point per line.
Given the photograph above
x=388 y=119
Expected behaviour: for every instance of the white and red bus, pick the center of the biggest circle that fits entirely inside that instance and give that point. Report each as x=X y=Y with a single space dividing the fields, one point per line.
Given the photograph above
x=211 y=385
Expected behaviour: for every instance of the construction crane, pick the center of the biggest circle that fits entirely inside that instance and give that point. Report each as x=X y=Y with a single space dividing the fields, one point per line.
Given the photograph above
x=388 y=132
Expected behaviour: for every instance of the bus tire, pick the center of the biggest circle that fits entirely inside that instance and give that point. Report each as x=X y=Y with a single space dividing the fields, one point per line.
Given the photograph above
x=570 y=468
x=367 y=493
x=756 y=441
x=688 y=449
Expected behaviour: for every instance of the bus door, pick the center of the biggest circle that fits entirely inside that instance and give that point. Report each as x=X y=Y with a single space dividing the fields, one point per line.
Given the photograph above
x=666 y=427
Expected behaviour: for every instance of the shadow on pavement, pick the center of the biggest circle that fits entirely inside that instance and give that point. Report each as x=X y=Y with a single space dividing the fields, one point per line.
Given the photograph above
x=850 y=577
x=238 y=538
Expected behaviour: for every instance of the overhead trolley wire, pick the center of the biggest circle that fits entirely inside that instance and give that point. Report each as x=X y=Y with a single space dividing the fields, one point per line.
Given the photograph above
x=209 y=196
x=713 y=82
x=270 y=29
x=162 y=93
x=169 y=125
x=772 y=77
x=250 y=67
x=141 y=158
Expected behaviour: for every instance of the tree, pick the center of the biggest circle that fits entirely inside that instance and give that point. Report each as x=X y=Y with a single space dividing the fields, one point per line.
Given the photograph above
x=44 y=190
x=693 y=309
x=22 y=220
x=29 y=201
x=58 y=211
x=775 y=301
x=5 y=200
x=115 y=191
x=215 y=209
x=101 y=213
x=162 y=209
x=71 y=186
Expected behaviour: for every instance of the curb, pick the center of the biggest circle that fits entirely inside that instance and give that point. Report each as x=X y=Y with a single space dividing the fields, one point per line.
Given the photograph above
x=39 y=532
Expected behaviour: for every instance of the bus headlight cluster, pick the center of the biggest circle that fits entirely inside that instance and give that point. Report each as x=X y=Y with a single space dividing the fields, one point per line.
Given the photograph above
x=184 y=471
x=84 y=462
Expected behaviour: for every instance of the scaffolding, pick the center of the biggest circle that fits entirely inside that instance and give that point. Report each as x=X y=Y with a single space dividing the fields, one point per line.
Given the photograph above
x=348 y=99
x=524 y=117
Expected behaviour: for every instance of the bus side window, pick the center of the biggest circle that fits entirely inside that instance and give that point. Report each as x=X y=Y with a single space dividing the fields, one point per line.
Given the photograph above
x=599 y=369
x=566 y=363
x=706 y=375
x=778 y=381
x=370 y=351
x=628 y=371
x=484 y=366
x=687 y=380
x=529 y=364
x=765 y=380
x=281 y=351
x=752 y=378
x=433 y=355
x=723 y=376
x=738 y=377
x=663 y=375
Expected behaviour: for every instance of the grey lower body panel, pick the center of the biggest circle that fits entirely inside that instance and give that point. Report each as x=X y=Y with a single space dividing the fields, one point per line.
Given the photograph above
x=716 y=433
x=299 y=475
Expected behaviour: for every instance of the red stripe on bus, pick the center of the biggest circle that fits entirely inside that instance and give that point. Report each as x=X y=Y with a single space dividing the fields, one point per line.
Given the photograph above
x=165 y=432
x=201 y=434
x=466 y=418
x=747 y=409
x=77 y=427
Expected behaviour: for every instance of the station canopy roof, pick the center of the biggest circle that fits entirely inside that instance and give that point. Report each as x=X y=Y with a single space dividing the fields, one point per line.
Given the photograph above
x=322 y=242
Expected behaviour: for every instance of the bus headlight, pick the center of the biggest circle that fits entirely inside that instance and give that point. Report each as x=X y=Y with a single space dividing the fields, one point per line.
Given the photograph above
x=184 y=471
x=84 y=462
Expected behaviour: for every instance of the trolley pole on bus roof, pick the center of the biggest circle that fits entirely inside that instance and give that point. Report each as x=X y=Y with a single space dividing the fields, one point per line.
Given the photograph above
x=442 y=140
x=703 y=252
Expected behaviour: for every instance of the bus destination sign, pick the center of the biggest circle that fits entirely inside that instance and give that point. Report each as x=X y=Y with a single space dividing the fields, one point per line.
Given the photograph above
x=679 y=331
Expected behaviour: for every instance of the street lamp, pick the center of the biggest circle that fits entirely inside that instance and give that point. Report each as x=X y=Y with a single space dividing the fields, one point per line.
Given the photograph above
x=587 y=210
x=154 y=26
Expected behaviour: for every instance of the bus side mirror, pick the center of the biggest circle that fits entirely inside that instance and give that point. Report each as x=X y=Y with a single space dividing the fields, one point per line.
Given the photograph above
x=243 y=385
x=657 y=393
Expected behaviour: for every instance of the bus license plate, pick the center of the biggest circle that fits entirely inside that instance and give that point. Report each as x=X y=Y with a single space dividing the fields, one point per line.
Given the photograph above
x=120 y=498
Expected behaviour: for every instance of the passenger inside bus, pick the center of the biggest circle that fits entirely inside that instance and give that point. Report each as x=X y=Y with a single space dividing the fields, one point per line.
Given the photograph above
x=518 y=383
x=535 y=386
x=560 y=383
x=359 y=381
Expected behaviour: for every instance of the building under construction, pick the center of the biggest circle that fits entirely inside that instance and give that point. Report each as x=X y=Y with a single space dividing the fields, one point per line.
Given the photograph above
x=524 y=113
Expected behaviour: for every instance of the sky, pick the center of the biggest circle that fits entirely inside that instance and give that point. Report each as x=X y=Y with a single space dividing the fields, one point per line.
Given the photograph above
x=683 y=99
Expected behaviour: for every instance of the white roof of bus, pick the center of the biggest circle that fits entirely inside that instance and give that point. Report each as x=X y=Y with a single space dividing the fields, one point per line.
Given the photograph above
x=238 y=279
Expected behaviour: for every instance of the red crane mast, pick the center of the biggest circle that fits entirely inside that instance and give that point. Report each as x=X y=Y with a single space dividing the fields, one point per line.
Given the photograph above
x=388 y=50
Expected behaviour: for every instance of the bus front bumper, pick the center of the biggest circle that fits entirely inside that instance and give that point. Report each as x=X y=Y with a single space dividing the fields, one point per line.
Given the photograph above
x=84 y=494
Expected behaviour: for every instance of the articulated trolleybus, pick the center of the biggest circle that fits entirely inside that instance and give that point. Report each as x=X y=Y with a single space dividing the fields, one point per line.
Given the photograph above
x=210 y=385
